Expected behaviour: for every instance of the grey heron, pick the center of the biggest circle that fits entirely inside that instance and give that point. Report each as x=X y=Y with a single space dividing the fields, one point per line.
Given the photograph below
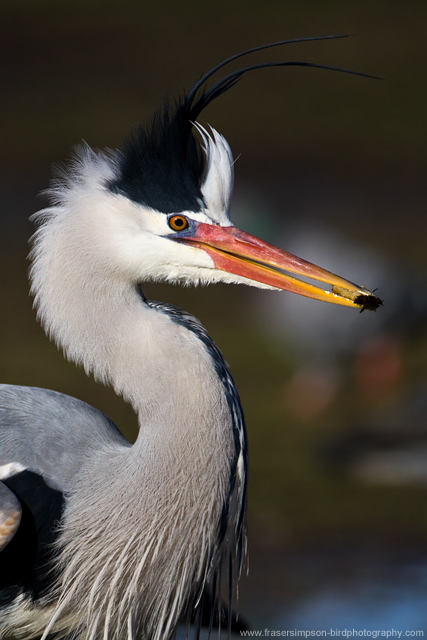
x=101 y=539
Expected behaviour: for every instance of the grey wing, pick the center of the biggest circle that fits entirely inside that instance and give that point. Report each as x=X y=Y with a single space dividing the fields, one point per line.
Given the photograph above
x=50 y=434
x=45 y=439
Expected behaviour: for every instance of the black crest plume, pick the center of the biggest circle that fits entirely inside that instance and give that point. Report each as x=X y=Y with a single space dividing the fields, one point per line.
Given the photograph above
x=163 y=165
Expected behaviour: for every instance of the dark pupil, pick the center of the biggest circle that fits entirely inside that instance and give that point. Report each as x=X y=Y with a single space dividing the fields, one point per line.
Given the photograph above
x=179 y=222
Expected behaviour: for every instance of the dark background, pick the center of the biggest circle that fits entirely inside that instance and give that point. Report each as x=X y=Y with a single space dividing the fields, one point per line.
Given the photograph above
x=331 y=163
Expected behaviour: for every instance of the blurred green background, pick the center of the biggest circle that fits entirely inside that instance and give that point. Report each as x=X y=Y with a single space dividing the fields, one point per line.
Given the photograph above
x=318 y=153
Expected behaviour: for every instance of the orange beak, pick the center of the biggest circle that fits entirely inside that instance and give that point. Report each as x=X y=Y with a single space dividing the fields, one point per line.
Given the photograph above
x=244 y=255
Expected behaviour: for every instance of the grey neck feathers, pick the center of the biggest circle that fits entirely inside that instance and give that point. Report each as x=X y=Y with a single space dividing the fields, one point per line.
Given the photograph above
x=155 y=521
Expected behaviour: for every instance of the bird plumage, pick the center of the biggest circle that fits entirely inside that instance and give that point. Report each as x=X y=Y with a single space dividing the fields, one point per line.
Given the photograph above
x=89 y=300
x=133 y=539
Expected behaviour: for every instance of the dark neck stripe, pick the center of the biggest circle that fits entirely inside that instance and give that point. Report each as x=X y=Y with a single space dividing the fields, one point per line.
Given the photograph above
x=239 y=432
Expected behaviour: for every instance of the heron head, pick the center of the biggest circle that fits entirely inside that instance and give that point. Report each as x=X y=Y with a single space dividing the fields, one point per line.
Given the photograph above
x=159 y=209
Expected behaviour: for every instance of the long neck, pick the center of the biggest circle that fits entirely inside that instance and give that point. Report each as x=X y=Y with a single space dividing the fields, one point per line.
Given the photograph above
x=160 y=364
x=160 y=502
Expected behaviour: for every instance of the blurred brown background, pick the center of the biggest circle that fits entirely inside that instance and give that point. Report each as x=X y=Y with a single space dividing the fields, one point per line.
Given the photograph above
x=330 y=165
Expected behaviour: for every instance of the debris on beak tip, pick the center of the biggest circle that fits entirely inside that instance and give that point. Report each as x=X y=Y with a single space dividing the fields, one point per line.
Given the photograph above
x=369 y=302
x=363 y=300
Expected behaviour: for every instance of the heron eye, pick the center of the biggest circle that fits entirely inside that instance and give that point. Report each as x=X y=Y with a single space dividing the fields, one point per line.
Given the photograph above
x=178 y=223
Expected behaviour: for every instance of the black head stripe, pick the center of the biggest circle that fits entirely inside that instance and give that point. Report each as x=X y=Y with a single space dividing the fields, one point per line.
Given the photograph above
x=163 y=164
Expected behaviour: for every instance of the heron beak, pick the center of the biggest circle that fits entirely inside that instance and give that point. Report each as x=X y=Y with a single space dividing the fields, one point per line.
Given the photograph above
x=244 y=255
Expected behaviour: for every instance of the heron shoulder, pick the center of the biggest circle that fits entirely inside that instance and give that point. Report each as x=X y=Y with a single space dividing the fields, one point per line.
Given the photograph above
x=51 y=434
